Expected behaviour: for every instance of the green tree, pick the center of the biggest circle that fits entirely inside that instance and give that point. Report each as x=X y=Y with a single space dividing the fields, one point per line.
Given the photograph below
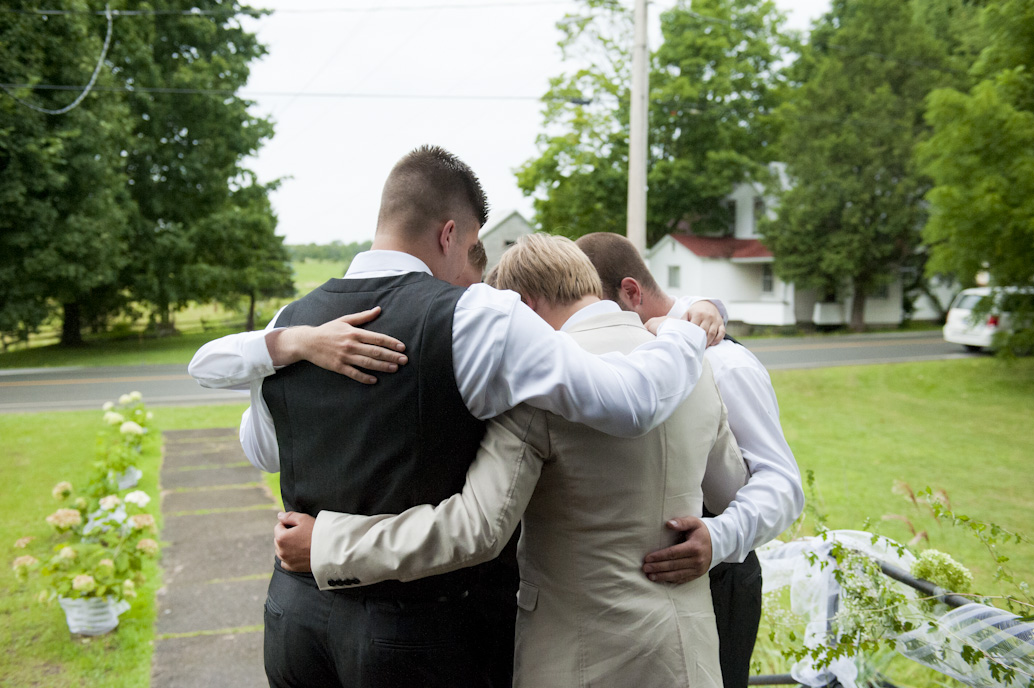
x=981 y=158
x=853 y=215
x=63 y=228
x=714 y=81
x=241 y=256
x=185 y=151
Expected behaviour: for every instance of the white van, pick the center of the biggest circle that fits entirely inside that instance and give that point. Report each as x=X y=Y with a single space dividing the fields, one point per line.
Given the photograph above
x=963 y=327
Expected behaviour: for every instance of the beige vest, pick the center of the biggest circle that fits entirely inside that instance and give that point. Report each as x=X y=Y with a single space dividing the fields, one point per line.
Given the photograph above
x=587 y=615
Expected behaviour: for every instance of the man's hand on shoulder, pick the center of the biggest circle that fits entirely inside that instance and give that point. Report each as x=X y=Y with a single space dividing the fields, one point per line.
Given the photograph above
x=340 y=346
x=706 y=315
x=292 y=539
x=685 y=561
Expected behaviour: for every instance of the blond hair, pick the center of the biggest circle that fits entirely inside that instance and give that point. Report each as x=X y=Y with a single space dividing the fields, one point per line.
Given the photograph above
x=549 y=267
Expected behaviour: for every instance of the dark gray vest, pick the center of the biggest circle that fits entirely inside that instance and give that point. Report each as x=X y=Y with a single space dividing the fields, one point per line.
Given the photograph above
x=382 y=448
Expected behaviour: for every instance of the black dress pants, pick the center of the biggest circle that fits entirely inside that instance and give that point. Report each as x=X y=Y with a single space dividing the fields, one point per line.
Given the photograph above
x=736 y=595
x=351 y=640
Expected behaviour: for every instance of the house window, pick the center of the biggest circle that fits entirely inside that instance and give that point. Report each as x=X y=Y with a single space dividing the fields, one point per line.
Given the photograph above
x=674 y=277
x=767 y=279
x=759 y=213
x=881 y=292
x=732 y=217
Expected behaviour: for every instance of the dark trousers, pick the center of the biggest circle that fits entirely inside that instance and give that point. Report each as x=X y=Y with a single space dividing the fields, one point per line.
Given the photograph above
x=736 y=595
x=350 y=640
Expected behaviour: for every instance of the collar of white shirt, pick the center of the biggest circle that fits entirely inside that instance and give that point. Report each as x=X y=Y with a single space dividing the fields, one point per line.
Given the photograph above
x=384 y=264
x=598 y=308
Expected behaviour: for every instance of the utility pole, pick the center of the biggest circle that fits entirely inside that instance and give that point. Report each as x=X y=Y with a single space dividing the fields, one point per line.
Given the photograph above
x=637 y=135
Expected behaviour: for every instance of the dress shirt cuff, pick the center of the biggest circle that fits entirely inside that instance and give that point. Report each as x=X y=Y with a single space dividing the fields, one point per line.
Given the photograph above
x=256 y=352
x=723 y=540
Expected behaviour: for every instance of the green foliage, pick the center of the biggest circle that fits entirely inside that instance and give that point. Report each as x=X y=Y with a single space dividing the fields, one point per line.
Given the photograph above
x=853 y=213
x=134 y=195
x=714 y=81
x=981 y=158
x=64 y=228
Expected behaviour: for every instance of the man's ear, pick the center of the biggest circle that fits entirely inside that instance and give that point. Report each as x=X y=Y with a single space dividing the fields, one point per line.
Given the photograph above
x=447 y=236
x=632 y=292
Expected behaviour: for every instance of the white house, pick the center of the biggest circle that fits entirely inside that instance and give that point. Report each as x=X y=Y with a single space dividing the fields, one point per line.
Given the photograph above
x=499 y=236
x=738 y=269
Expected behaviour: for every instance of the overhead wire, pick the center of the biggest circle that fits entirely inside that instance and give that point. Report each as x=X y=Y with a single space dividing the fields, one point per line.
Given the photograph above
x=86 y=89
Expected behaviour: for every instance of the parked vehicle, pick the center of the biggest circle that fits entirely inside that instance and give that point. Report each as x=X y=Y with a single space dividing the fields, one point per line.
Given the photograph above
x=977 y=314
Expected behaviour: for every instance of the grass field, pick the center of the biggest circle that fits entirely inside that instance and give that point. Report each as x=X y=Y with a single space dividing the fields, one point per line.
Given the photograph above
x=129 y=344
x=962 y=426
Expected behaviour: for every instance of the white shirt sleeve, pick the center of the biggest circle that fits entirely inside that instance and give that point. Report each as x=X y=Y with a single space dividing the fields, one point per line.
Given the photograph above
x=234 y=361
x=504 y=355
x=242 y=361
x=773 y=496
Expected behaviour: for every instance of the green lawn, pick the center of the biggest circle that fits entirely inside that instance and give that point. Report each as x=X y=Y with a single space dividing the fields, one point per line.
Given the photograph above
x=40 y=450
x=962 y=426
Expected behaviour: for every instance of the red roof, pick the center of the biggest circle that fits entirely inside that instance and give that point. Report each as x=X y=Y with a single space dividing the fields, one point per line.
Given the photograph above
x=723 y=247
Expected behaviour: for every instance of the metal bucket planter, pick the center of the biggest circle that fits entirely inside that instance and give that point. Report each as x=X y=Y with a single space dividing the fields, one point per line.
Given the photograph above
x=92 y=615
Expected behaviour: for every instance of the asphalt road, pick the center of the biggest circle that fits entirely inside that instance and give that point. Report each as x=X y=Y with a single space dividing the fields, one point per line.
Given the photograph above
x=60 y=389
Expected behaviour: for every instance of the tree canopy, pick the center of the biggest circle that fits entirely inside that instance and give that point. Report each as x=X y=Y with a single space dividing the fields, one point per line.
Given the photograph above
x=124 y=196
x=714 y=82
x=981 y=159
x=852 y=216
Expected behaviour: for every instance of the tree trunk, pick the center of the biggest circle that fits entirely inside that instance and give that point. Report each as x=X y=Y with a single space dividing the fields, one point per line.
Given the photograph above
x=250 y=324
x=858 y=309
x=72 y=325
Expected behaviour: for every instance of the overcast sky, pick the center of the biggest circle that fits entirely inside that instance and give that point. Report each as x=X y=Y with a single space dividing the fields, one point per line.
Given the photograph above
x=354 y=85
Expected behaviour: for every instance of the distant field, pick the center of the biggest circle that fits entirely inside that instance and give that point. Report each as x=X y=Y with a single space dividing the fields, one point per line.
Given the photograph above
x=128 y=344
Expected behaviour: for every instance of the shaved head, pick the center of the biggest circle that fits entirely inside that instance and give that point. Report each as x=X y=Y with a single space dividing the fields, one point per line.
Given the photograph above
x=428 y=187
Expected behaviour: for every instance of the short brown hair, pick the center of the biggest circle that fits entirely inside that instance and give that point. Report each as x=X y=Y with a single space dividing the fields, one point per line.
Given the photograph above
x=545 y=266
x=477 y=257
x=616 y=258
x=428 y=186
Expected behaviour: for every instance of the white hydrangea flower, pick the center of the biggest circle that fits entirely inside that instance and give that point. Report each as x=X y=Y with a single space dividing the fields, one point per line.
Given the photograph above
x=62 y=490
x=108 y=405
x=124 y=400
x=131 y=428
x=67 y=553
x=135 y=396
x=110 y=502
x=113 y=418
x=138 y=497
x=84 y=583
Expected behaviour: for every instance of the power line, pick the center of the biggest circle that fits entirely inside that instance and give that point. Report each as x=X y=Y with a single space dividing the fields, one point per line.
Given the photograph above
x=258 y=12
x=267 y=94
x=86 y=89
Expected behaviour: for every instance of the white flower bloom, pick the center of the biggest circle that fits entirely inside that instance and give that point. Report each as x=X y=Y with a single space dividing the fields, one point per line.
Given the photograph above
x=113 y=418
x=131 y=428
x=84 y=583
x=65 y=518
x=124 y=399
x=149 y=415
x=62 y=490
x=24 y=562
x=108 y=405
x=138 y=497
x=135 y=396
x=67 y=553
x=110 y=502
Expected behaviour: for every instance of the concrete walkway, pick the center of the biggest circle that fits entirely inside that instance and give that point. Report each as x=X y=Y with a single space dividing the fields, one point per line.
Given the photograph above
x=217 y=559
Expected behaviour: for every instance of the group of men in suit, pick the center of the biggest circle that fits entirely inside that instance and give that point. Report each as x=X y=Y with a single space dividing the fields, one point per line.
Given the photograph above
x=606 y=458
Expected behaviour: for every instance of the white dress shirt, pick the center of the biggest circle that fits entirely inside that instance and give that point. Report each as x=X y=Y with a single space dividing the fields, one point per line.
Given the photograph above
x=773 y=497
x=503 y=355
